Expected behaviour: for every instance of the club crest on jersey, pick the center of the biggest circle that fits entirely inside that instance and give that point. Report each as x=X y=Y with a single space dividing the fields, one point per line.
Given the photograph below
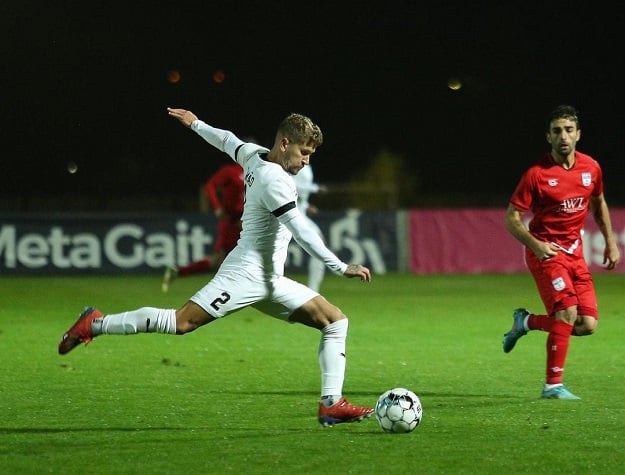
x=558 y=284
x=553 y=182
x=586 y=179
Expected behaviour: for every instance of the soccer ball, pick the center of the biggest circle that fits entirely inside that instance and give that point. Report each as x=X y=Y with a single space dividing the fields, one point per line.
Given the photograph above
x=398 y=410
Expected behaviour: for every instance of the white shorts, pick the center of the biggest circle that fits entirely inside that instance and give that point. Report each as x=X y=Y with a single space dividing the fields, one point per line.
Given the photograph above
x=231 y=291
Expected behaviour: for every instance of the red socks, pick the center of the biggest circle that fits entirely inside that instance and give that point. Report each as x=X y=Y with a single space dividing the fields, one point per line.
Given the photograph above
x=539 y=322
x=557 y=348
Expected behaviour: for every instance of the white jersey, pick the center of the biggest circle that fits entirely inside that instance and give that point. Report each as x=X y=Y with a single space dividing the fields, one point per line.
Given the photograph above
x=270 y=215
x=305 y=184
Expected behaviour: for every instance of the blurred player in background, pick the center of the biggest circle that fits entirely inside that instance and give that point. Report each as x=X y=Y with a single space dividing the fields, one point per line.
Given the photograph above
x=225 y=192
x=559 y=191
x=305 y=185
x=252 y=275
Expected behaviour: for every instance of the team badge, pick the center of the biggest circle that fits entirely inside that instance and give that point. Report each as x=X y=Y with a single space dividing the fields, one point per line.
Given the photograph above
x=558 y=284
x=586 y=179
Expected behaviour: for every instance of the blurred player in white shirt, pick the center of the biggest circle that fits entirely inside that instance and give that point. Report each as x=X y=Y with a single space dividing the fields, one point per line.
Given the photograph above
x=306 y=185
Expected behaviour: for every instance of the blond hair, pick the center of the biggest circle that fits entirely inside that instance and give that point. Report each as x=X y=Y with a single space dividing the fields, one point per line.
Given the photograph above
x=301 y=130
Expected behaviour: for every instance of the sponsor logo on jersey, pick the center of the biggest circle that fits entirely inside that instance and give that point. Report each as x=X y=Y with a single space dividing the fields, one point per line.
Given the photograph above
x=572 y=205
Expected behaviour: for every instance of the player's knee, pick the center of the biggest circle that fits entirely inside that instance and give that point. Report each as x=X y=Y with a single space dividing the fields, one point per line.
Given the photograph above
x=335 y=315
x=585 y=326
x=185 y=326
x=329 y=313
x=190 y=317
x=589 y=329
x=317 y=313
x=583 y=331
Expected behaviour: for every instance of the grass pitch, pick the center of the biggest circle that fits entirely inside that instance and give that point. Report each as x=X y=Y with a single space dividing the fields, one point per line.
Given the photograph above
x=240 y=395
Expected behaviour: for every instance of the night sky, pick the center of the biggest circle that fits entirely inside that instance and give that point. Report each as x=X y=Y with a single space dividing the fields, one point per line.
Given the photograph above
x=87 y=82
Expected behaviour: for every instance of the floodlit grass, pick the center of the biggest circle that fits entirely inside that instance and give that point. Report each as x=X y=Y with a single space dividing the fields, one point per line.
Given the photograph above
x=240 y=395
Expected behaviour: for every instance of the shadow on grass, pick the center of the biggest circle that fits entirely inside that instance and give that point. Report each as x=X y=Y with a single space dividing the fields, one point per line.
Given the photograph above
x=376 y=394
x=60 y=430
x=253 y=432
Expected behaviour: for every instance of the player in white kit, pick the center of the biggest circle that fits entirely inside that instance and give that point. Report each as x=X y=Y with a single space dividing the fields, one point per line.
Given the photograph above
x=253 y=273
x=306 y=185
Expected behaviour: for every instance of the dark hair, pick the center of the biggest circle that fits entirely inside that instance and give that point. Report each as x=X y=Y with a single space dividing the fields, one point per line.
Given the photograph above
x=563 y=111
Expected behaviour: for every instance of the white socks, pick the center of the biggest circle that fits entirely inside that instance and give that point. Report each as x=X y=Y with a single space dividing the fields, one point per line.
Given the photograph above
x=143 y=320
x=332 y=359
x=150 y=320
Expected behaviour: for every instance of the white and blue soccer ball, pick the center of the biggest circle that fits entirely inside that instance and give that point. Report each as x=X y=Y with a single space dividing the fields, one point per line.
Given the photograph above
x=398 y=410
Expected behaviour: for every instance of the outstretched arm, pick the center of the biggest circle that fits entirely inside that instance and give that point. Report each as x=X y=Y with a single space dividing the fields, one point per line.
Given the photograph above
x=307 y=237
x=223 y=140
x=185 y=117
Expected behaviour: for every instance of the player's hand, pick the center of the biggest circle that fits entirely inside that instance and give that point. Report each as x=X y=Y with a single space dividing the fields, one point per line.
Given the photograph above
x=312 y=210
x=356 y=270
x=220 y=213
x=611 y=257
x=546 y=250
x=185 y=117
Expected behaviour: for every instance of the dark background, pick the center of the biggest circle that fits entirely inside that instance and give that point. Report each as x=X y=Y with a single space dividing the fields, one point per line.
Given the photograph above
x=87 y=82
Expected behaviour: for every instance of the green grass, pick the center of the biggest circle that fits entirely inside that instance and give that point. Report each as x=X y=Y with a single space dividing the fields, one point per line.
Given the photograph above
x=240 y=395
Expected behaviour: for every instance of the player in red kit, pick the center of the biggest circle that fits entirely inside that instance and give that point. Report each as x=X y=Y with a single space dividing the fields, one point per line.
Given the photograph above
x=225 y=191
x=559 y=191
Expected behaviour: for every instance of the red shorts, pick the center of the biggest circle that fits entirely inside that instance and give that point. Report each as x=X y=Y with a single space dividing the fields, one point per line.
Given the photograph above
x=564 y=281
x=227 y=235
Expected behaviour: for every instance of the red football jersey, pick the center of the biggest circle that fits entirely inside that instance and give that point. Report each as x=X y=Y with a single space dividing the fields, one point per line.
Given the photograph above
x=559 y=198
x=226 y=190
